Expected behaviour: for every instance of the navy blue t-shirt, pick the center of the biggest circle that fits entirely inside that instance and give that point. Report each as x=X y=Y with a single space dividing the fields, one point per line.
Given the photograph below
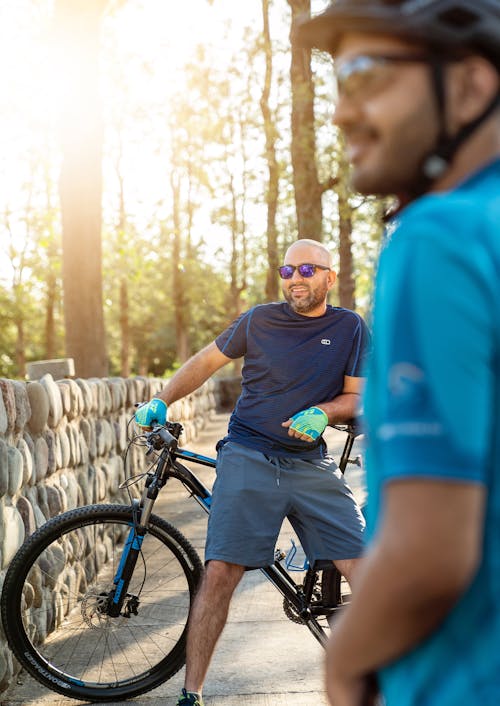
x=292 y=362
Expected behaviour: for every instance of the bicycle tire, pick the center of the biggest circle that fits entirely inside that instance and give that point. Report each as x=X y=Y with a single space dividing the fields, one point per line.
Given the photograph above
x=330 y=587
x=62 y=639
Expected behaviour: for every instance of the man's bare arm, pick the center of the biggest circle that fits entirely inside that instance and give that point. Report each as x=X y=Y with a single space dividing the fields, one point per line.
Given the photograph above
x=194 y=373
x=341 y=409
x=425 y=554
x=346 y=405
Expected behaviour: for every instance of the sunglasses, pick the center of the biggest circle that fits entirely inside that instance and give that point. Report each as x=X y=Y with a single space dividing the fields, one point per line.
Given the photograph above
x=305 y=270
x=363 y=73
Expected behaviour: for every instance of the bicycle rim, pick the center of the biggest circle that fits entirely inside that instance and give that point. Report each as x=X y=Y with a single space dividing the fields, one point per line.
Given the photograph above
x=52 y=605
x=335 y=592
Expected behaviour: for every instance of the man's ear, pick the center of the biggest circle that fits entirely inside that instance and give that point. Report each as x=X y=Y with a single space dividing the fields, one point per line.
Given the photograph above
x=473 y=84
x=332 y=278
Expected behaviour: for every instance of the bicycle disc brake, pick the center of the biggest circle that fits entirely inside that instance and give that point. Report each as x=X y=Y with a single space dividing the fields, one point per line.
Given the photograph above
x=94 y=609
x=95 y=604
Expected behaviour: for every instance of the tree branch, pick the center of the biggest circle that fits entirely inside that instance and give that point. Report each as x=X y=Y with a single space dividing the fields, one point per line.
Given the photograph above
x=328 y=184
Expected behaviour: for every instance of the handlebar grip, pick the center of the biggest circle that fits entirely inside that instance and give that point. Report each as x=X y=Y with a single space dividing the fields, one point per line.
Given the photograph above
x=167 y=438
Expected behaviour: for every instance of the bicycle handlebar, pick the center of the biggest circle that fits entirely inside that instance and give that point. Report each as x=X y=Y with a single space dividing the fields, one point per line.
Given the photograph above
x=168 y=440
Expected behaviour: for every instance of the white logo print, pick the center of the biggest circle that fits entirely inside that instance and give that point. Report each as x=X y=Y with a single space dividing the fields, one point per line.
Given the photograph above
x=325 y=341
x=405 y=379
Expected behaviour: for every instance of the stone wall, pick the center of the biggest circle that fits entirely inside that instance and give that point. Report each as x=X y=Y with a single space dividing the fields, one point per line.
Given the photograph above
x=62 y=445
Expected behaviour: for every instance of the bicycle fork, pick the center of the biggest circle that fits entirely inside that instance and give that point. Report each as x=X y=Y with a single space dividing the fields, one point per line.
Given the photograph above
x=121 y=582
x=133 y=547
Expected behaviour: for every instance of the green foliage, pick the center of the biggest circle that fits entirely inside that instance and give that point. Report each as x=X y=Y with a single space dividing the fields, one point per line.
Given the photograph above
x=184 y=173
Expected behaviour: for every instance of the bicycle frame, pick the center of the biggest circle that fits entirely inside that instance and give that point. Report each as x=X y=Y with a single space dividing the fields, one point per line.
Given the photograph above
x=298 y=596
x=169 y=466
x=144 y=598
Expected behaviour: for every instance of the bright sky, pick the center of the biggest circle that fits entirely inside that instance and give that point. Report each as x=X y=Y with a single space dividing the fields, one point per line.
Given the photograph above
x=162 y=33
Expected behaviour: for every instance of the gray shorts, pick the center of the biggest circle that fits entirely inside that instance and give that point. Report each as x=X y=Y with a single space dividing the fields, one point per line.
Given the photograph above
x=252 y=495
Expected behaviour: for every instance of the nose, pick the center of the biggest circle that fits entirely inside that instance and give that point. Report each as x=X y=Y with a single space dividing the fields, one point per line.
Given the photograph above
x=296 y=275
x=346 y=112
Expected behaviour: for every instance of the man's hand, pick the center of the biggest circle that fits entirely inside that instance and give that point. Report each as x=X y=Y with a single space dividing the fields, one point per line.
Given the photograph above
x=352 y=692
x=308 y=424
x=153 y=411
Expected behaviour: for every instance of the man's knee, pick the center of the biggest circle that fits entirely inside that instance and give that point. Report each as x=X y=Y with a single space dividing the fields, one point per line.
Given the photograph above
x=347 y=568
x=222 y=577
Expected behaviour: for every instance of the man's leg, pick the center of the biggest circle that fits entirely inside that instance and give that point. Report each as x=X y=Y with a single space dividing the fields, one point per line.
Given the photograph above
x=326 y=515
x=207 y=619
x=347 y=568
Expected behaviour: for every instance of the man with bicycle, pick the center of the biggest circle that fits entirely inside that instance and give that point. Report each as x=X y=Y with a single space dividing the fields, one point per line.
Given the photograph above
x=303 y=363
x=418 y=102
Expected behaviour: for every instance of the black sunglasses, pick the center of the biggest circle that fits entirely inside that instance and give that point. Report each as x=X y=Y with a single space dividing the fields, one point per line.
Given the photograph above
x=305 y=270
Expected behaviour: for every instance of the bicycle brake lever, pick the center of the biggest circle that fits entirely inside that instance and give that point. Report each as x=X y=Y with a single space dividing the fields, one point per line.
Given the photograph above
x=166 y=437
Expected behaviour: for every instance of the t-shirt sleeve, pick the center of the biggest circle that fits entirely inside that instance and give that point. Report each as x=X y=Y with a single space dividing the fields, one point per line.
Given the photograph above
x=233 y=341
x=439 y=346
x=360 y=349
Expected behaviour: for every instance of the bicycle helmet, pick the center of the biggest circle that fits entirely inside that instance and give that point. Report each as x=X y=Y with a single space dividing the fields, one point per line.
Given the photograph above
x=448 y=28
x=448 y=24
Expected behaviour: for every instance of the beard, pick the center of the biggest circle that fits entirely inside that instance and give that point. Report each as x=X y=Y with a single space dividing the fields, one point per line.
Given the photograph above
x=305 y=304
x=394 y=166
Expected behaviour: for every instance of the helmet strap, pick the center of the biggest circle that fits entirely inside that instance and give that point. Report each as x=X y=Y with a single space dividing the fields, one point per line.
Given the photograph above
x=436 y=163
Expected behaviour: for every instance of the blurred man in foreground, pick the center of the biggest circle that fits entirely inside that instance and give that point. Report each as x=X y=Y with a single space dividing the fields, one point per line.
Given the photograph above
x=418 y=102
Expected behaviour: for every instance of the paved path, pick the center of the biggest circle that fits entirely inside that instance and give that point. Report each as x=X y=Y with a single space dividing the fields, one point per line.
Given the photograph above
x=262 y=659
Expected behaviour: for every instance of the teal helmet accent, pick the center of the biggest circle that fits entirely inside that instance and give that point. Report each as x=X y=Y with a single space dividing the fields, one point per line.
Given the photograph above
x=448 y=25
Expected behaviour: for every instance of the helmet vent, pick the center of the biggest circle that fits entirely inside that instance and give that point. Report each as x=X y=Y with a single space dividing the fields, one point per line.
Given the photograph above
x=458 y=17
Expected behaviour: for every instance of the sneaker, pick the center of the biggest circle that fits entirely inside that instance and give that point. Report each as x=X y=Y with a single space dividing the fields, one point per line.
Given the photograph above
x=189 y=698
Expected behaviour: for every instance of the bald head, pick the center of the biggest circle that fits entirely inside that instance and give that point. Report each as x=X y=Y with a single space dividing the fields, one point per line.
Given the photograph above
x=307 y=294
x=312 y=249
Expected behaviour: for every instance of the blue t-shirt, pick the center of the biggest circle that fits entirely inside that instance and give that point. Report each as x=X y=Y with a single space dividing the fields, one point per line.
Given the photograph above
x=432 y=411
x=292 y=362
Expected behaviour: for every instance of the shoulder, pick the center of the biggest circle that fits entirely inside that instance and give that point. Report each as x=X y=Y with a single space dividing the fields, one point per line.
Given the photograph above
x=346 y=316
x=457 y=230
x=268 y=311
x=461 y=214
x=260 y=311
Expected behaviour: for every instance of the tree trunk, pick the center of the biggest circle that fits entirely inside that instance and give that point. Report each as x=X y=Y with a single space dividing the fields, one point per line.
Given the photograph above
x=50 y=328
x=308 y=190
x=179 y=298
x=20 y=352
x=77 y=22
x=124 y=330
x=237 y=284
x=51 y=279
x=124 y=301
x=272 y=290
x=20 y=348
x=347 y=285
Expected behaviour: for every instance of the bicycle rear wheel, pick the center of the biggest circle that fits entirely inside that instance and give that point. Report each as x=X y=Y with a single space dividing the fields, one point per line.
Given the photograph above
x=335 y=590
x=56 y=587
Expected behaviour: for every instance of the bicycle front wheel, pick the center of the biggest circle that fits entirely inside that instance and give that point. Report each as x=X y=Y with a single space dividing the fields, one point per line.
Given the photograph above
x=55 y=594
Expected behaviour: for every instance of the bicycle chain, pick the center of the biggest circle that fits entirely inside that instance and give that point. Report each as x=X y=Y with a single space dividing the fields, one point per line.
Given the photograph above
x=291 y=612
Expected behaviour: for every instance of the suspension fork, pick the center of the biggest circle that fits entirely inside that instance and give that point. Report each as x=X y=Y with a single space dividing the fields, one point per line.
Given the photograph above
x=126 y=567
x=141 y=513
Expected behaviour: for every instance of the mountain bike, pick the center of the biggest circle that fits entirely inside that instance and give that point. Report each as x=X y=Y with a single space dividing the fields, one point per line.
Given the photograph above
x=95 y=603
